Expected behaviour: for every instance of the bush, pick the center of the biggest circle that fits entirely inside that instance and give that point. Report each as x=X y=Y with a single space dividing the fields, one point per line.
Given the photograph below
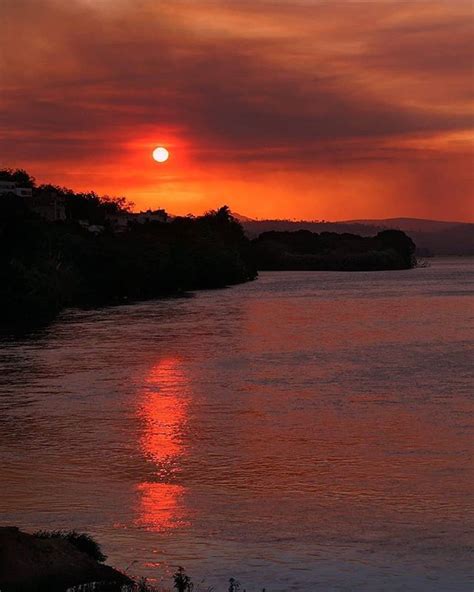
x=81 y=540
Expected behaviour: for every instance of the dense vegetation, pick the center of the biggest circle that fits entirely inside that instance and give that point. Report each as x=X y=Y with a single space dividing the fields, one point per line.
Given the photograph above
x=305 y=250
x=45 y=266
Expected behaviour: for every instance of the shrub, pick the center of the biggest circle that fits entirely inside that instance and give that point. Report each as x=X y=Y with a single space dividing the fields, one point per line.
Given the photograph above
x=81 y=540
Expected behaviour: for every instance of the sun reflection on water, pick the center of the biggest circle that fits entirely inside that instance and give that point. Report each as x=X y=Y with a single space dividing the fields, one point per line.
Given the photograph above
x=162 y=408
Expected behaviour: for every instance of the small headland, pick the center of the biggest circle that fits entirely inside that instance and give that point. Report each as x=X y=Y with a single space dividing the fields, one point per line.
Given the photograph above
x=328 y=251
x=52 y=562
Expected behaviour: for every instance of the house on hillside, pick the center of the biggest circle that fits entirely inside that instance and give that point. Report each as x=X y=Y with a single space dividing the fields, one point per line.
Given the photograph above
x=151 y=216
x=49 y=205
x=7 y=187
x=120 y=221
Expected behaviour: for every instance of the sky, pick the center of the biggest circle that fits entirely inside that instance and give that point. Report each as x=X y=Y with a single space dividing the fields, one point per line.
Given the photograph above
x=307 y=109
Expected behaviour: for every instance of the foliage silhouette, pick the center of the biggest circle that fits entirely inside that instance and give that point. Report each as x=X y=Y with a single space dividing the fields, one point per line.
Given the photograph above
x=305 y=250
x=46 y=266
x=182 y=582
x=82 y=541
x=19 y=176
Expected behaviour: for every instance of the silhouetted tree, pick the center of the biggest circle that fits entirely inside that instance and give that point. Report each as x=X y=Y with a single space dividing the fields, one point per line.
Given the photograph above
x=302 y=249
x=19 y=176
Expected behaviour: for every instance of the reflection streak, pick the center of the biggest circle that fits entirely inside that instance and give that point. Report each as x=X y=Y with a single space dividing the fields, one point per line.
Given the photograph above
x=163 y=410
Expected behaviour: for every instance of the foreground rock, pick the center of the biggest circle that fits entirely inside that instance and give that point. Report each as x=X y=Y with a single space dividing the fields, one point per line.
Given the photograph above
x=32 y=564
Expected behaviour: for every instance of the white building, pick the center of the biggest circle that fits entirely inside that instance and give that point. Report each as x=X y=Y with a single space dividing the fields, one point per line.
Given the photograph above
x=122 y=220
x=47 y=204
x=12 y=187
x=151 y=216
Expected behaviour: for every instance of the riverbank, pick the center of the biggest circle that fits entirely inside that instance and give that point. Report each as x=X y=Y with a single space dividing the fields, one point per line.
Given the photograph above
x=60 y=249
x=48 y=266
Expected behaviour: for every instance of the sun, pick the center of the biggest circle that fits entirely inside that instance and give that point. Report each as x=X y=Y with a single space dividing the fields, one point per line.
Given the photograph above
x=160 y=154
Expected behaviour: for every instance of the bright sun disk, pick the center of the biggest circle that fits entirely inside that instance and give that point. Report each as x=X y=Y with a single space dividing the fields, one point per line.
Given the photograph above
x=160 y=154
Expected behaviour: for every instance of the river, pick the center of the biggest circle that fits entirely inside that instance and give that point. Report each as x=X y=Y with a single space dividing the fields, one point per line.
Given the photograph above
x=309 y=431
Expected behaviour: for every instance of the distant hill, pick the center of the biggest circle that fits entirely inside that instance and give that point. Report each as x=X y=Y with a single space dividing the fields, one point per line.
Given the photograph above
x=432 y=237
x=241 y=218
x=409 y=224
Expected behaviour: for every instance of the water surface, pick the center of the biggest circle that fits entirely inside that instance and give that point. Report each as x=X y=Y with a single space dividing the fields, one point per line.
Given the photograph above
x=309 y=431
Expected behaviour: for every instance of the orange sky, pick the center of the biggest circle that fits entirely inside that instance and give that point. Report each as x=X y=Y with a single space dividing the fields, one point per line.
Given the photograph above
x=330 y=109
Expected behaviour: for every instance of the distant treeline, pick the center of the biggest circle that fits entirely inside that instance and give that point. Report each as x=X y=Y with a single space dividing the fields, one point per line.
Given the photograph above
x=305 y=250
x=46 y=266
x=432 y=238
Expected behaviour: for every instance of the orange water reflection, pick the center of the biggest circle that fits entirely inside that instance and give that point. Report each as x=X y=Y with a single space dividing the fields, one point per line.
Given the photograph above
x=160 y=506
x=162 y=408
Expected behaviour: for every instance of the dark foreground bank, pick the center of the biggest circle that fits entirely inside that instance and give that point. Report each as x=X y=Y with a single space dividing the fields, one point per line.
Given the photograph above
x=60 y=561
x=32 y=563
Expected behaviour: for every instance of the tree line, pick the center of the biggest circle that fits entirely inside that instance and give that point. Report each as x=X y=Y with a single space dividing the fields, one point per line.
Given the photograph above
x=46 y=266
x=329 y=251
